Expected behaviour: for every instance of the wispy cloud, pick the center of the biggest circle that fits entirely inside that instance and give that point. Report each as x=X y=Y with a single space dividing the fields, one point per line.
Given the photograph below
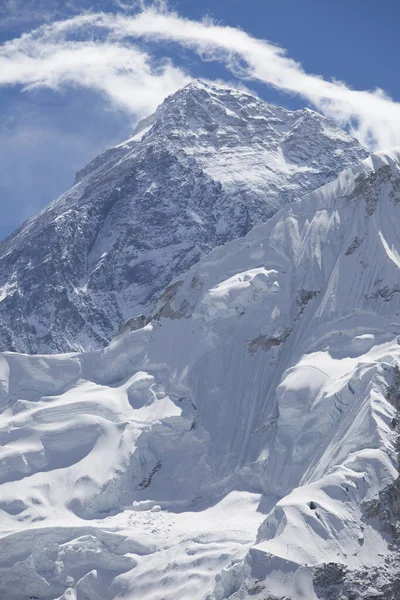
x=132 y=79
x=15 y=14
x=105 y=52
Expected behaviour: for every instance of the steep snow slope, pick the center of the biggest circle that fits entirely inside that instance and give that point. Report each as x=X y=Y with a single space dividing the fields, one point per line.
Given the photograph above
x=243 y=443
x=209 y=164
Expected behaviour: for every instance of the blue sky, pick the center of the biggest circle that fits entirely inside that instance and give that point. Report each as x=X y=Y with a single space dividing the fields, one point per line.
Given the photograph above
x=69 y=116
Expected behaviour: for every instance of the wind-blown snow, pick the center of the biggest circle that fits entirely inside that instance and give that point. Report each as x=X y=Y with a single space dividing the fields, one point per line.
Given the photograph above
x=207 y=166
x=237 y=445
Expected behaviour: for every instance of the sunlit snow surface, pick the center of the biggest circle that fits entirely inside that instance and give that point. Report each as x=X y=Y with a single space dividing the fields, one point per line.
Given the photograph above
x=225 y=449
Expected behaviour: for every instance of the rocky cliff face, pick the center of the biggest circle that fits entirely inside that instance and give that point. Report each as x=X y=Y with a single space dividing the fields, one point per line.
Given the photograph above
x=207 y=166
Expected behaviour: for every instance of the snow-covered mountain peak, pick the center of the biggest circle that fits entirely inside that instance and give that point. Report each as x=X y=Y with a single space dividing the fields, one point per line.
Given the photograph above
x=203 y=109
x=203 y=105
x=239 y=139
x=211 y=163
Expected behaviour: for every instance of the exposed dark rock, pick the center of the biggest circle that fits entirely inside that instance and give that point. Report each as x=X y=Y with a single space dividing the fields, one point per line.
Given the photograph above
x=263 y=342
x=354 y=245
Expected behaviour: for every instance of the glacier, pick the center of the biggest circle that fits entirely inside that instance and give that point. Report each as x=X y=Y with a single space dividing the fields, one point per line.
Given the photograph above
x=211 y=163
x=239 y=442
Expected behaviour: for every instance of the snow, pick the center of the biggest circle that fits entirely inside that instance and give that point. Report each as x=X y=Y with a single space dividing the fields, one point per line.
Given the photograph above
x=230 y=447
x=230 y=297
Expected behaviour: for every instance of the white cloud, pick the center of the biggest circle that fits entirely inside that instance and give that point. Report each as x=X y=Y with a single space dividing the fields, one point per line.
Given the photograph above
x=100 y=51
x=126 y=75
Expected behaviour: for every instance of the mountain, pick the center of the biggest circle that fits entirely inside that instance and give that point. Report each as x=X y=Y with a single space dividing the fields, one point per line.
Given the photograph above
x=207 y=166
x=241 y=444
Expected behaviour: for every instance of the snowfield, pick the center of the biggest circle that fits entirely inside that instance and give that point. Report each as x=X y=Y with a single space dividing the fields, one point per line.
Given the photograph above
x=242 y=443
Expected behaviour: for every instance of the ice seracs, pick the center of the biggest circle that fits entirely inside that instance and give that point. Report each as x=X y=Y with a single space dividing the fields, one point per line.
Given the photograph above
x=242 y=443
x=207 y=166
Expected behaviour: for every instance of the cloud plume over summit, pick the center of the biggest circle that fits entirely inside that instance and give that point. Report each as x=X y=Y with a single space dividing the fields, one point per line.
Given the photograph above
x=115 y=54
